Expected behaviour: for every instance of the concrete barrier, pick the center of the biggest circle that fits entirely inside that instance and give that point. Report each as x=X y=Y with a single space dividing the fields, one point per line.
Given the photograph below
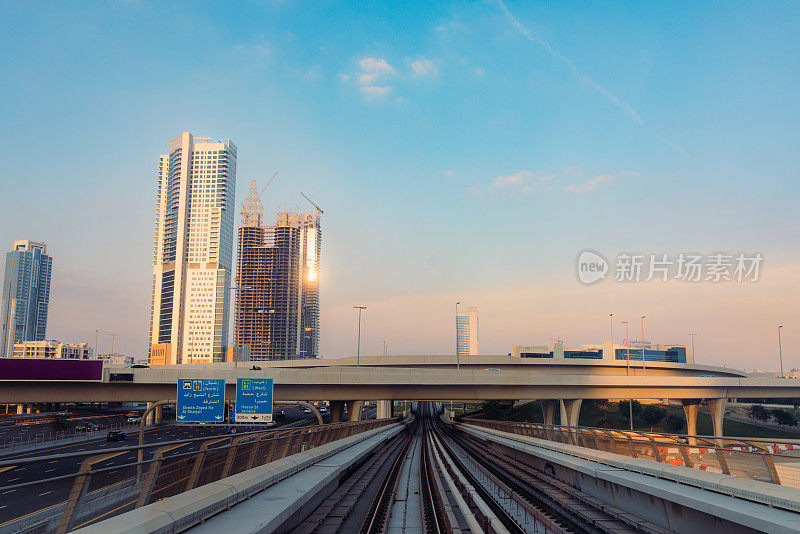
x=180 y=512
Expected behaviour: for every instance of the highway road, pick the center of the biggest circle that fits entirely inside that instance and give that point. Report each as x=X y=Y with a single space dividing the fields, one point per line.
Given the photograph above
x=21 y=502
x=10 y=432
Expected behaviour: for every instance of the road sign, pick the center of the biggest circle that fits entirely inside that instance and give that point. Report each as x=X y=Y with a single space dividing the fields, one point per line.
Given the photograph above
x=253 y=400
x=201 y=400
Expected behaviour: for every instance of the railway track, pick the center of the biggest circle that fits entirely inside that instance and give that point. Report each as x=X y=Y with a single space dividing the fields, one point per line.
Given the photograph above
x=435 y=478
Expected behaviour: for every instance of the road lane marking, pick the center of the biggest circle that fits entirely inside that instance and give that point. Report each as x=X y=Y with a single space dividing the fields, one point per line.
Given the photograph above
x=45 y=493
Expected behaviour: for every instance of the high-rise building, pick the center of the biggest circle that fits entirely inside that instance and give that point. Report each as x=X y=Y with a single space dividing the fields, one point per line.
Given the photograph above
x=26 y=295
x=467 y=332
x=193 y=251
x=277 y=300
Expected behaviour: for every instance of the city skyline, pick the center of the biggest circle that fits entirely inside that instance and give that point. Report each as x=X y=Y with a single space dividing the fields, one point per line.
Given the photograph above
x=629 y=132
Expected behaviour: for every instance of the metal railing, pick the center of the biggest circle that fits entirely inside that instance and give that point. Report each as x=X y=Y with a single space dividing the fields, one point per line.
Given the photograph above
x=752 y=458
x=106 y=484
x=50 y=435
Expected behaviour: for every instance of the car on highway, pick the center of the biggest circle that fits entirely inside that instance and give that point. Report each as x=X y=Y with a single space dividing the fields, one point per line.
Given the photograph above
x=132 y=413
x=134 y=420
x=306 y=409
x=87 y=427
x=279 y=415
x=115 y=435
x=65 y=413
x=139 y=366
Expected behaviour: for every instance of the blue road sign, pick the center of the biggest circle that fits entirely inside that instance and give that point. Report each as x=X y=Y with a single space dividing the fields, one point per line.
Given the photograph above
x=201 y=400
x=253 y=400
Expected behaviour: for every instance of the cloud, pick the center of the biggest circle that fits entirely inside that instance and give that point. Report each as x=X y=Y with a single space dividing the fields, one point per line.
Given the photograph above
x=375 y=66
x=423 y=67
x=513 y=179
x=373 y=91
x=373 y=71
x=593 y=183
x=344 y=77
x=585 y=79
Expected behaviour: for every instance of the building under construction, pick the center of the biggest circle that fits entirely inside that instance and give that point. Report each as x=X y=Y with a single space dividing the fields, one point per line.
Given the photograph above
x=277 y=301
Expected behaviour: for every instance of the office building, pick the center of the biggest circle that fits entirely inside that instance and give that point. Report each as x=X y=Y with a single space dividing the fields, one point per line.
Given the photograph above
x=467 y=332
x=636 y=351
x=192 y=251
x=116 y=359
x=52 y=349
x=277 y=297
x=26 y=295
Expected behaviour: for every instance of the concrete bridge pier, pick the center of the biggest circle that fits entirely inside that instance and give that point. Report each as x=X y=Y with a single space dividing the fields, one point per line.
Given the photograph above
x=690 y=408
x=151 y=416
x=384 y=408
x=570 y=410
x=354 y=409
x=717 y=409
x=548 y=410
x=337 y=411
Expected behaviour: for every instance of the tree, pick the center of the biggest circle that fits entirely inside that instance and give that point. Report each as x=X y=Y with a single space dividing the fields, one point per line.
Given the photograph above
x=652 y=414
x=624 y=410
x=673 y=424
x=783 y=417
x=59 y=423
x=758 y=412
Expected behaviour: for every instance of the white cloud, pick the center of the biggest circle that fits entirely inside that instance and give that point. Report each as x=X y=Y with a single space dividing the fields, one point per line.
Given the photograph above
x=344 y=77
x=593 y=183
x=376 y=66
x=373 y=91
x=401 y=100
x=423 y=67
x=513 y=179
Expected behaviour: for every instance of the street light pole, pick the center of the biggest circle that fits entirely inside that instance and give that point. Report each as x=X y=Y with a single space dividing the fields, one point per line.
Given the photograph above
x=628 y=343
x=780 y=348
x=613 y=351
x=358 y=346
x=643 y=367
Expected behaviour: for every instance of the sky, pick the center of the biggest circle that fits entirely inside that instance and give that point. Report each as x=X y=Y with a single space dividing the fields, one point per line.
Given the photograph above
x=462 y=151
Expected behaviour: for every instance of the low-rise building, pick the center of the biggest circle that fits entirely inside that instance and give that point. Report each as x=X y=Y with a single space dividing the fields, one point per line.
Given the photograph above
x=633 y=351
x=116 y=359
x=53 y=349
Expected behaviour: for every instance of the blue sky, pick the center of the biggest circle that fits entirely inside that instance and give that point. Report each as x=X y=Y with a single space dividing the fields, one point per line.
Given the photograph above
x=460 y=151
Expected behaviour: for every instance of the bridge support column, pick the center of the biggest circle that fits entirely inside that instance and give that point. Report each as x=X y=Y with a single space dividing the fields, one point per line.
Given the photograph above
x=158 y=415
x=570 y=410
x=548 y=410
x=717 y=409
x=354 y=409
x=690 y=408
x=384 y=408
x=337 y=411
x=151 y=416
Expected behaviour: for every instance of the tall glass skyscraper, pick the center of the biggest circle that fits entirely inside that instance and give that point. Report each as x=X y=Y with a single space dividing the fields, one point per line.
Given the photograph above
x=193 y=251
x=26 y=295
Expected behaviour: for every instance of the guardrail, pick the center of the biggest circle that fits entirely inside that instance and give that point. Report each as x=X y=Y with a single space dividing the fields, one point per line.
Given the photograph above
x=755 y=459
x=102 y=486
x=47 y=436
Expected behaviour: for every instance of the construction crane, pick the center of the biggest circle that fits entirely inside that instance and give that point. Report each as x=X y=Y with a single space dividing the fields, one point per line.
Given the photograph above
x=269 y=182
x=319 y=210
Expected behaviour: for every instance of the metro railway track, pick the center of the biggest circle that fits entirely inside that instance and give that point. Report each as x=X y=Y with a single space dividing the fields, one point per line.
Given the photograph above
x=560 y=506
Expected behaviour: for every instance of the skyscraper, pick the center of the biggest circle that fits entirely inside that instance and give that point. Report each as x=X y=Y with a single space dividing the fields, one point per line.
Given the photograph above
x=467 y=332
x=26 y=295
x=192 y=251
x=277 y=302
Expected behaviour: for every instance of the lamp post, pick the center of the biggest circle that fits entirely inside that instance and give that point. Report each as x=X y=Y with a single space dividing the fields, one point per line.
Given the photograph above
x=643 y=367
x=627 y=372
x=613 y=351
x=780 y=348
x=692 y=336
x=458 y=356
x=358 y=346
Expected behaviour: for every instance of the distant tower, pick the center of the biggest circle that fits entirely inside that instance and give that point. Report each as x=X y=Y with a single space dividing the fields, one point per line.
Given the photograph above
x=193 y=251
x=277 y=304
x=467 y=332
x=26 y=295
